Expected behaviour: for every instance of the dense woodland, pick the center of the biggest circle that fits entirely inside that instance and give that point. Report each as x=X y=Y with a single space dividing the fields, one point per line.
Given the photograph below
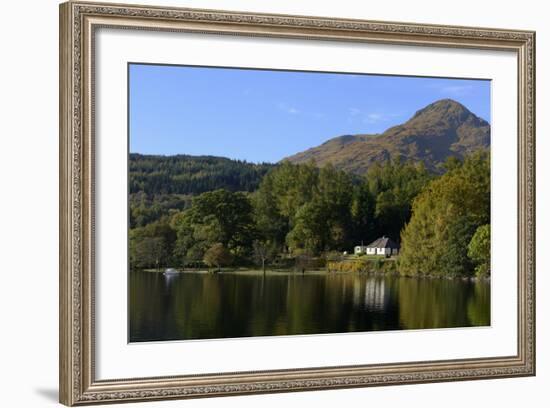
x=190 y=211
x=182 y=174
x=161 y=185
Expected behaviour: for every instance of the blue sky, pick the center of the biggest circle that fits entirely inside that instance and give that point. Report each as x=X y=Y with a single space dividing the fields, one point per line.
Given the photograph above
x=259 y=115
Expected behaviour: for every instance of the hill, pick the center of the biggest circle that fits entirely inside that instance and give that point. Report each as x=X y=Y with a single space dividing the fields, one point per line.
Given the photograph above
x=442 y=129
x=184 y=174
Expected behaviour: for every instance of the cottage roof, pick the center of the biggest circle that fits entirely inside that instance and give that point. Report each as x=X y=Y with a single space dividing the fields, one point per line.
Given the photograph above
x=383 y=242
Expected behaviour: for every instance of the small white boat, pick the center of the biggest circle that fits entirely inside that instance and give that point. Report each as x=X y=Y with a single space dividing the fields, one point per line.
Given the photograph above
x=170 y=271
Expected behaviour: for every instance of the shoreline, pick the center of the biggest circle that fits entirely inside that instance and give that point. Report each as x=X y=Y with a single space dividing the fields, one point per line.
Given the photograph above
x=281 y=272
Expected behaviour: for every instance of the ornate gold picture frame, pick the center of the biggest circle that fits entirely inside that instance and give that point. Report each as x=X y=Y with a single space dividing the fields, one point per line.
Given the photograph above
x=78 y=24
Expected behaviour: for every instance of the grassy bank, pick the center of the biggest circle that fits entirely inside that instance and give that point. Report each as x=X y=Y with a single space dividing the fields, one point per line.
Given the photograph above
x=365 y=264
x=388 y=266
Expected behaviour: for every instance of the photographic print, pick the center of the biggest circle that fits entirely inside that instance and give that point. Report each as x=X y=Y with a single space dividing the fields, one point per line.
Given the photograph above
x=256 y=203
x=270 y=202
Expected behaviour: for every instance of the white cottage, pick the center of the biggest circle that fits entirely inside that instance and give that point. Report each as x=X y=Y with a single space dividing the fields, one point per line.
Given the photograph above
x=382 y=246
x=360 y=249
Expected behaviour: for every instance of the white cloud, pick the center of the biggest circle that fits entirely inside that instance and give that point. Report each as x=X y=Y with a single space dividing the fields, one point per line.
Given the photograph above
x=370 y=117
x=377 y=117
x=456 y=90
x=288 y=108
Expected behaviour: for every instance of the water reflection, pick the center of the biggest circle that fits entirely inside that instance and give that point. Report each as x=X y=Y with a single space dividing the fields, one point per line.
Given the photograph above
x=170 y=278
x=376 y=295
x=200 y=306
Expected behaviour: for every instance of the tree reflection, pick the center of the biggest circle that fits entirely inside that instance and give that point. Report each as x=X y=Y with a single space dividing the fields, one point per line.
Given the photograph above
x=203 y=306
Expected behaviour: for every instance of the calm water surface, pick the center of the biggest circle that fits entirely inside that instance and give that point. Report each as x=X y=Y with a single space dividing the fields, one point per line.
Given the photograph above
x=205 y=306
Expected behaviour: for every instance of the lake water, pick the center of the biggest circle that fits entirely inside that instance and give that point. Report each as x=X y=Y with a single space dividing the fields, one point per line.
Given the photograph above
x=205 y=306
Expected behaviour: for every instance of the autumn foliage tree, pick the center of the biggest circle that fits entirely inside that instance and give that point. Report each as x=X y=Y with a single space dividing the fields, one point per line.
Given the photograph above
x=445 y=217
x=217 y=255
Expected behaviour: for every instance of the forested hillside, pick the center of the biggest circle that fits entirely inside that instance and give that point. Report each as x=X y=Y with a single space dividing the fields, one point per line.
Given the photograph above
x=183 y=174
x=161 y=185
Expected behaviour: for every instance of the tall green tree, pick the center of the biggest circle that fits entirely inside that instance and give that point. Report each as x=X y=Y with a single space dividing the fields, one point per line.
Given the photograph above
x=218 y=216
x=271 y=225
x=394 y=186
x=311 y=230
x=293 y=185
x=301 y=207
x=479 y=250
x=282 y=192
x=336 y=194
x=362 y=210
x=444 y=218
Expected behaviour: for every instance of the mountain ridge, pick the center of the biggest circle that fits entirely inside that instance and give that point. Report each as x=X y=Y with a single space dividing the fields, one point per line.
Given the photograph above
x=441 y=129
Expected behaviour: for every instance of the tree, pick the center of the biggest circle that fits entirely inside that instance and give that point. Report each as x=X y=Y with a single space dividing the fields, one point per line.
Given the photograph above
x=394 y=185
x=145 y=209
x=270 y=224
x=391 y=214
x=362 y=214
x=336 y=195
x=217 y=255
x=311 y=229
x=293 y=186
x=455 y=260
x=152 y=245
x=452 y=163
x=226 y=216
x=217 y=216
x=479 y=250
x=305 y=208
x=263 y=252
x=282 y=192
x=444 y=218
